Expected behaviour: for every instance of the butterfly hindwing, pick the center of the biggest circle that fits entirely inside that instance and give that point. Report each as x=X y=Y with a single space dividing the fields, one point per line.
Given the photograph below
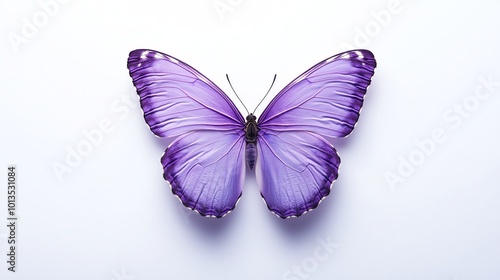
x=206 y=170
x=296 y=166
x=205 y=163
x=295 y=170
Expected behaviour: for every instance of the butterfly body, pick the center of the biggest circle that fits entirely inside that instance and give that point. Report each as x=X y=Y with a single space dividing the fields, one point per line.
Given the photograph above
x=251 y=130
x=295 y=166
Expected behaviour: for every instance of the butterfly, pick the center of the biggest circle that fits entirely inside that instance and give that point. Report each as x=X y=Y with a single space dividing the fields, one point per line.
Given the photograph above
x=295 y=166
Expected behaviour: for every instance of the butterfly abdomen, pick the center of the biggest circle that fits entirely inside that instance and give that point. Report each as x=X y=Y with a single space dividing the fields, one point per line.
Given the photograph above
x=251 y=154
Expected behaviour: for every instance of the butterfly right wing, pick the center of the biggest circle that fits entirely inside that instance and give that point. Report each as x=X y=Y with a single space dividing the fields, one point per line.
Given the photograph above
x=326 y=99
x=205 y=163
x=296 y=166
x=295 y=170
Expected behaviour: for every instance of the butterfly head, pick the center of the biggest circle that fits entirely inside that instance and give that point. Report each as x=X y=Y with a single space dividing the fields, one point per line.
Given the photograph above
x=251 y=118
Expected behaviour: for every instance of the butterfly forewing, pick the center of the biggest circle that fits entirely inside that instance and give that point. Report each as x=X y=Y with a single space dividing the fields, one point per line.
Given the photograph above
x=177 y=99
x=326 y=99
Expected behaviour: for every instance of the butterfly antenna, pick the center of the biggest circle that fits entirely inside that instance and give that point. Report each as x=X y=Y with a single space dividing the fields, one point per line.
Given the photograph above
x=274 y=79
x=227 y=77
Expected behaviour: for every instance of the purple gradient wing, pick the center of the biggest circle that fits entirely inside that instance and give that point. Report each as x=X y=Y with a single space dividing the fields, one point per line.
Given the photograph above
x=206 y=170
x=177 y=99
x=296 y=166
x=205 y=163
x=295 y=171
x=325 y=99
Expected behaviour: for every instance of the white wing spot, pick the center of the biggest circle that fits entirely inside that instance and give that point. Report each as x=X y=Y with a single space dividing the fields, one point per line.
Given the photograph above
x=144 y=54
x=139 y=65
x=359 y=54
x=174 y=60
x=158 y=55
x=330 y=59
x=345 y=56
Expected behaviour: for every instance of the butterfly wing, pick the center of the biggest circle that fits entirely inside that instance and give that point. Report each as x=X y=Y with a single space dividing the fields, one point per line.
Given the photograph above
x=296 y=166
x=177 y=99
x=206 y=170
x=205 y=163
x=295 y=170
x=325 y=99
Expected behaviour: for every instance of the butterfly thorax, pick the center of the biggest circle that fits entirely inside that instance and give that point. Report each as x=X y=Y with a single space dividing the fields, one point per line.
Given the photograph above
x=251 y=129
x=251 y=138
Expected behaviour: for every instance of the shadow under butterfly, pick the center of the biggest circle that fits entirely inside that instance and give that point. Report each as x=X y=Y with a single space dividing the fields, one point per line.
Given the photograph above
x=295 y=166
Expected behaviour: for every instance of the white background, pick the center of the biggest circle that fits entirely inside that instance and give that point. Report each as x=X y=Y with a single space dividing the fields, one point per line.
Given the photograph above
x=114 y=217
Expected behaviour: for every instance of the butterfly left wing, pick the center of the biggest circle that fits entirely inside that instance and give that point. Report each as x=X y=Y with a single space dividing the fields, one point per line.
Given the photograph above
x=296 y=166
x=205 y=163
x=177 y=99
x=206 y=170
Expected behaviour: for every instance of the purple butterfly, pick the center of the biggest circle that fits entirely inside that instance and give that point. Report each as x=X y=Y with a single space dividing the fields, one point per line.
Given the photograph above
x=295 y=166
